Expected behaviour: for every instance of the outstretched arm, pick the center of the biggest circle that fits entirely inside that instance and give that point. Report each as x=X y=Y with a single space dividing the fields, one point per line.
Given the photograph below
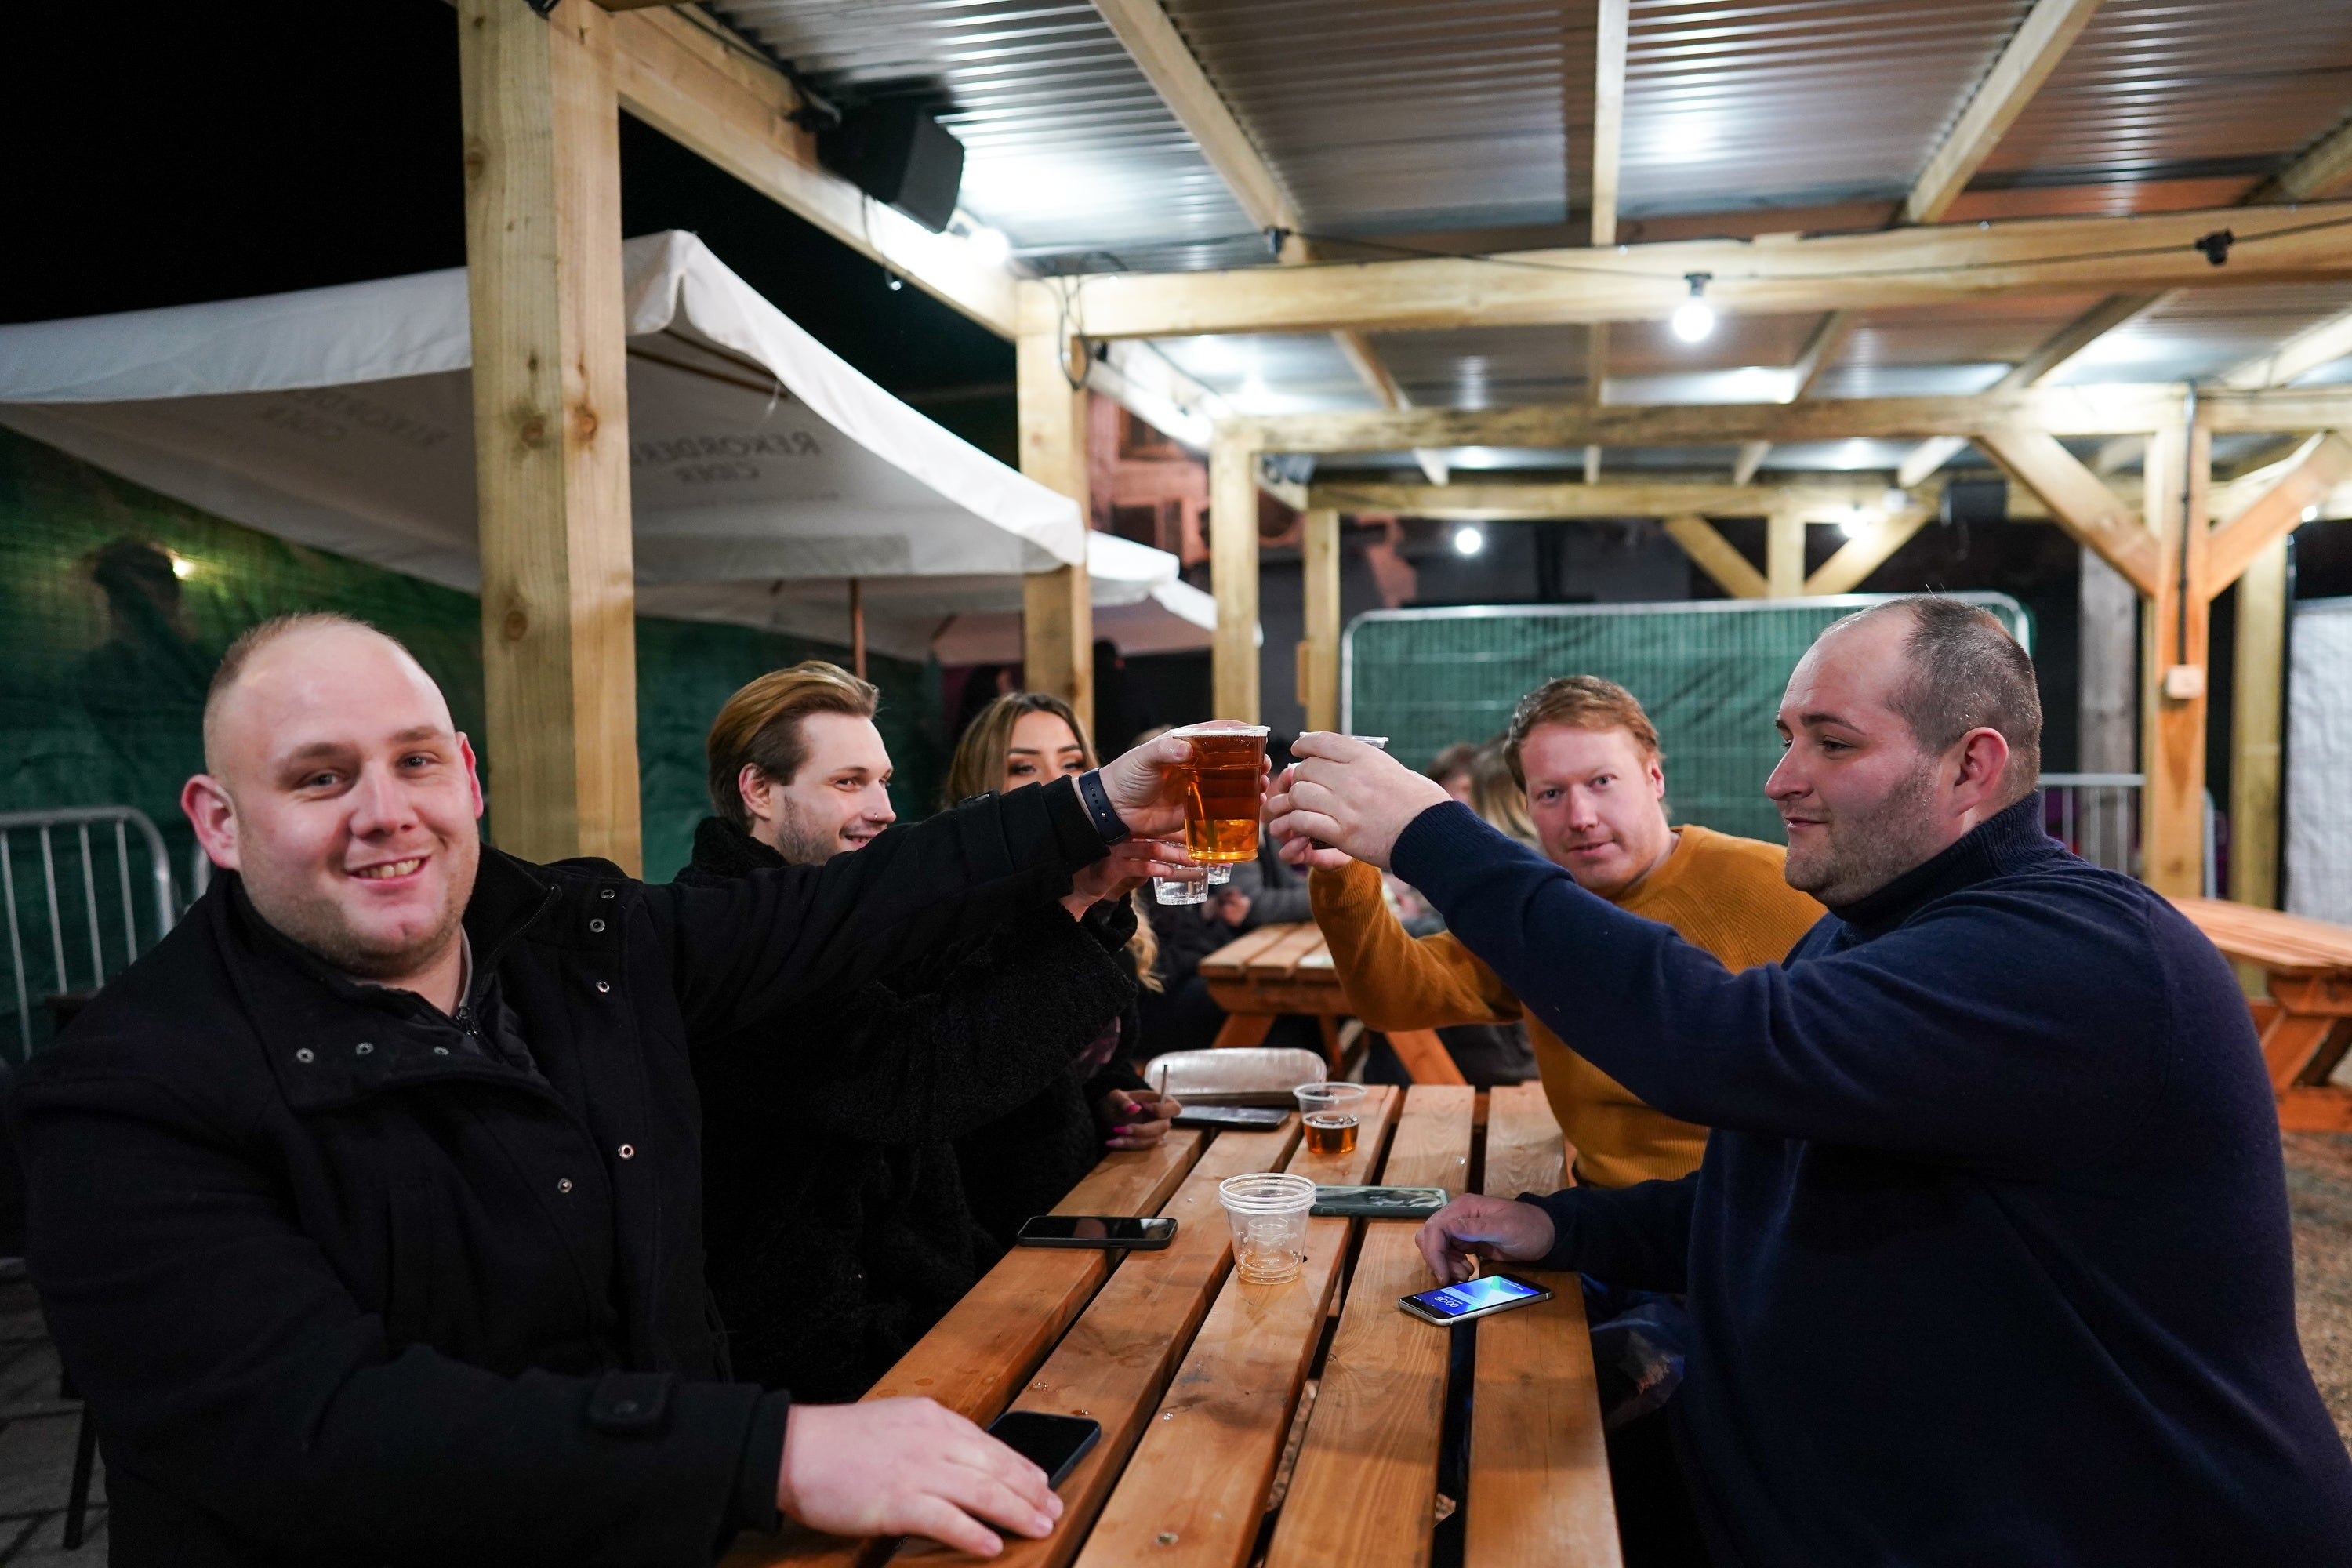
x=1393 y=980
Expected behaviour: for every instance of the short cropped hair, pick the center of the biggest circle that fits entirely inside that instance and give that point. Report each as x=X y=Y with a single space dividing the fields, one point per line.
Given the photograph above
x=1967 y=672
x=761 y=726
x=260 y=636
x=1580 y=702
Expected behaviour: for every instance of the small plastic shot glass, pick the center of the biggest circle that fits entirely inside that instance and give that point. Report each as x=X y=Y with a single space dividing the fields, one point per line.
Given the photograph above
x=1268 y=1214
x=1329 y=1112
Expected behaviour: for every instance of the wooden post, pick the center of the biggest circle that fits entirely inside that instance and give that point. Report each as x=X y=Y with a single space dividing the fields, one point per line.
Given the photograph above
x=1057 y=622
x=2256 y=716
x=2109 y=643
x=1784 y=555
x=551 y=429
x=857 y=628
x=1233 y=573
x=2172 y=802
x=1318 y=655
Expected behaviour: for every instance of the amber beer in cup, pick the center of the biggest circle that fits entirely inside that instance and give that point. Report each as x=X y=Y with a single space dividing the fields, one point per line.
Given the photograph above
x=1328 y=1113
x=1221 y=790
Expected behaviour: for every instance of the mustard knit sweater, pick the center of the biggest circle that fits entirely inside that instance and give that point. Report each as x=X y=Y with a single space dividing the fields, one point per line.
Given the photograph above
x=1719 y=892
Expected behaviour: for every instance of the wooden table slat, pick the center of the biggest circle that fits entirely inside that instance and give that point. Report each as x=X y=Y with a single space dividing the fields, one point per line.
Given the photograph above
x=974 y=1357
x=1228 y=961
x=1278 y=960
x=1366 y=1486
x=1540 y=1494
x=1194 y=1492
x=1116 y=1359
x=2270 y=938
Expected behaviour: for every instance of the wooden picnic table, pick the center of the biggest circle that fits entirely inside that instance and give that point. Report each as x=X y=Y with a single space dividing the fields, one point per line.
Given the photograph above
x=2306 y=1022
x=1198 y=1378
x=1276 y=969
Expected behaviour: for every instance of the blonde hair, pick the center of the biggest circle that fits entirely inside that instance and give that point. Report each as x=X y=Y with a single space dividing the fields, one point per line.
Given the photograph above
x=1496 y=793
x=978 y=768
x=761 y=727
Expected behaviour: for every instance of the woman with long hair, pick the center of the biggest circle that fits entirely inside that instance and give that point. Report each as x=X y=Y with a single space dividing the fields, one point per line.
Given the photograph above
x=1023 y=1163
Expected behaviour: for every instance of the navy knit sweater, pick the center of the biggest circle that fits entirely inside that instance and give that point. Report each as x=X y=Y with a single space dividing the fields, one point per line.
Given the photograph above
x=1989 y=1258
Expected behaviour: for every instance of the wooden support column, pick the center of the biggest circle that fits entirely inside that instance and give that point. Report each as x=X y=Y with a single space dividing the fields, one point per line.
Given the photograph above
x=2109 y=644
x=1318 y=655
x=2256 y=721
x=1233 y=573
x=1784 y=555
x=2172 y=801
x=1057 y=622
x=551 y=429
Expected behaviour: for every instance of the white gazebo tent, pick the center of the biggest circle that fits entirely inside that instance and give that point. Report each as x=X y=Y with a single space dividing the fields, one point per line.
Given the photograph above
x=766 y=475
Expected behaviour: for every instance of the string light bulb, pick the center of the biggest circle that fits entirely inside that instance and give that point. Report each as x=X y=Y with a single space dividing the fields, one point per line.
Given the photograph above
x=1693 y=319
x=1468 y=540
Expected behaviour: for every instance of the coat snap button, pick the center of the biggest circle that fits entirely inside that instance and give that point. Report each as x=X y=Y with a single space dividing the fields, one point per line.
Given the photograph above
x=603 y=985
x=608 y=892
x=595 y=925
x=362 y=1048
x=628 y=1151
x=440 y=1050
x=306 y=1055
x=625 y=1407
x=563 y=1183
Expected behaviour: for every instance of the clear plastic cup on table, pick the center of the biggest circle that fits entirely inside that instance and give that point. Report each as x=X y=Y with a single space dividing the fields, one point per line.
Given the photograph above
x=1268 y=1214
x=1329 y=1112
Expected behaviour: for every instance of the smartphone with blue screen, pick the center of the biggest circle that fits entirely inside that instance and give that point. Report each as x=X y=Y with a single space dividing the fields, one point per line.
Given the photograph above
x=1480 y=1298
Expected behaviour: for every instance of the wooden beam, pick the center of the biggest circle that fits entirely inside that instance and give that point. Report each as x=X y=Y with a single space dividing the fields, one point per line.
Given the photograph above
x=1751 y=456
x=2034 y=52
x=1784 y=555
x=1318 y=655
x=2257 y=730
x=551 y=430
x=1820 y=350
x=2299 y=355
x=1168 y=63
x=2172 y=800
x=1233 y=573
x=2323 y=170
x=1057 y=606
x=2325 y=462
x=1866 y=552
x=1718 y=557
x=681 y=73
x=1774 y=274
x=2084 y=506
x=1501 y=502
x=1607 y=115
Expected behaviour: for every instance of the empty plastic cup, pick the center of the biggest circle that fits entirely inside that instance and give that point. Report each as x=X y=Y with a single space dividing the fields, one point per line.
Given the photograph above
x=1268 y=1214
x=1171 y=891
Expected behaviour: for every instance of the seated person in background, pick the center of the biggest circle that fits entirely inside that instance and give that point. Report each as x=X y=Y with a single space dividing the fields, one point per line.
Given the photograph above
x=1595 y=784
x=366 y=1206
x=1989 y=1260
x=1026 y=1160
x=835 y=1216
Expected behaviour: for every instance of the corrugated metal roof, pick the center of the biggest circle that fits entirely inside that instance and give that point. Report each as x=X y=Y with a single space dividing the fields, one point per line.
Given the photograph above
x=2158 y=86
x=1067 y=146
x=1734 y=103
x=2203 y=333
x=1387 y=116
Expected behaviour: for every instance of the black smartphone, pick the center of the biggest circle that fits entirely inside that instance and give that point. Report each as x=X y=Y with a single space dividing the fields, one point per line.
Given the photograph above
x=1055 y=1444
x=1480 y=1298
x=1145 y=1235
x=1241 y=1118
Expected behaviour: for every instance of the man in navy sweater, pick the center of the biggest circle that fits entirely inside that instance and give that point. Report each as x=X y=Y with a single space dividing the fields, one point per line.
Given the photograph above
x=1988 y=1261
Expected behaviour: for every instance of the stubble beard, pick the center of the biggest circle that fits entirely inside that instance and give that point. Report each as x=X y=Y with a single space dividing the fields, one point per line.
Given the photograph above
x=1865 y=849
x=802 y=842
x=321 y=925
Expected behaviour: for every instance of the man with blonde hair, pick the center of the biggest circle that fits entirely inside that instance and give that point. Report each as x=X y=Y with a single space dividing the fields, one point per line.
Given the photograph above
x=1587 y=757
x=365 y=1207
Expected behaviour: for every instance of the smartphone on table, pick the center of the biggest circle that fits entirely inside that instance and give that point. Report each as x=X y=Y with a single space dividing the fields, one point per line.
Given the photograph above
x=1480 y=1298
x=1055 y=1444
x=1236 y=1118
x=1143 y=1233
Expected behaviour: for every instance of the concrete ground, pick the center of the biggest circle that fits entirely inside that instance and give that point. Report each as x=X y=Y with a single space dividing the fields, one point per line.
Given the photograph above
x=36 y=1428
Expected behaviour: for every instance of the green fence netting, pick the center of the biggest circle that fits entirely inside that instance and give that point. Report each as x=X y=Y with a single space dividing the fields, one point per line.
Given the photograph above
x=1709 y=673
x=115 y=604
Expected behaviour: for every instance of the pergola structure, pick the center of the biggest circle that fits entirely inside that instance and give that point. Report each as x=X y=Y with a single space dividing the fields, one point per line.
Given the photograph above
x=1426 y=235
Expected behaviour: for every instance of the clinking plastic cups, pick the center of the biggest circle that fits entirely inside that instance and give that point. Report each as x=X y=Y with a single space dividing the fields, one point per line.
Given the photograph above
x=1269 y=1219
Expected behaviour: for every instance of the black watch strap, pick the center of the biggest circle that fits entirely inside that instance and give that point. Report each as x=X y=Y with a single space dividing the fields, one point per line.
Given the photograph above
x=1097 y=801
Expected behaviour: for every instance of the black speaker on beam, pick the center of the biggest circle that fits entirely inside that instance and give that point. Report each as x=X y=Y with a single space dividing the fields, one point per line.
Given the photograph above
x=896 y=152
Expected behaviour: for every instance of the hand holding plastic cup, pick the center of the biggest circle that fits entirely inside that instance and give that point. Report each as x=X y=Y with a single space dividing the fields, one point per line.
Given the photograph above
x=1268 y=1214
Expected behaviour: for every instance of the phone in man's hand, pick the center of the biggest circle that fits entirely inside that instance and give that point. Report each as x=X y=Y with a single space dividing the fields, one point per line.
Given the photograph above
x=1480 y=1298
x=1055 y=1444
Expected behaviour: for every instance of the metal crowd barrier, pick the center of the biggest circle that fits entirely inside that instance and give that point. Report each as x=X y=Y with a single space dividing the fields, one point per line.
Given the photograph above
x=84 y=833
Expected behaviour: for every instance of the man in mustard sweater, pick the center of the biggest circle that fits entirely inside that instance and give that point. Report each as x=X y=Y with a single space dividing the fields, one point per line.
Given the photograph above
x=1588 y=757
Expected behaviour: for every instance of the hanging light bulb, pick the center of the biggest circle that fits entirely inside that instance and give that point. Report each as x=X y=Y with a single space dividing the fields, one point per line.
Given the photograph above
x=1855 y=522
x=1693 y=319
x=1468 y=540
x=989 y=247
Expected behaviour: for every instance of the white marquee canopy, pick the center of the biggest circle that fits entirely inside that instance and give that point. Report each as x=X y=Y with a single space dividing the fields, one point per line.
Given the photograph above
x=765 y=472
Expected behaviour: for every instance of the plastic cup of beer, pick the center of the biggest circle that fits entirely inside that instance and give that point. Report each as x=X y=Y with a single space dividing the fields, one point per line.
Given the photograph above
x=1221 y=790
x=1329 y=1112
x=1268 y=1214
x=1175 y=891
